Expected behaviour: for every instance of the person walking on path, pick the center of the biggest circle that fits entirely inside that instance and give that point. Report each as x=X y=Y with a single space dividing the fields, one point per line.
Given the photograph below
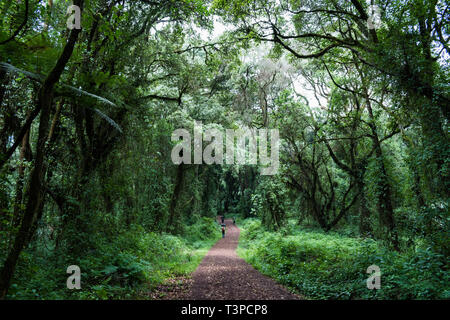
x=223 y=275
x=223 y=231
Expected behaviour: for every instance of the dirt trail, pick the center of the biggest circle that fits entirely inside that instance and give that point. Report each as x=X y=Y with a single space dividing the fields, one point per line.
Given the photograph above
x=223 y=275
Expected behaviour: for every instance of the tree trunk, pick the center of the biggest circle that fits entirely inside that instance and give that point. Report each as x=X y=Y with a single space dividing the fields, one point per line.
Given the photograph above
x=365 y=228
x=175 y=196
x=24 y=150
x=35 y=192
x=384 y=203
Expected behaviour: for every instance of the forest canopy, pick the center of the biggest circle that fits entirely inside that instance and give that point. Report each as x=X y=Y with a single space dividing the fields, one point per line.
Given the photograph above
x=91 y=92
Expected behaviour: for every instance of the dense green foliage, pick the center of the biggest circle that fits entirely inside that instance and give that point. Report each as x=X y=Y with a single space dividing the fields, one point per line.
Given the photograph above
x=322 y=265
x=87 y=116
x=126 y=266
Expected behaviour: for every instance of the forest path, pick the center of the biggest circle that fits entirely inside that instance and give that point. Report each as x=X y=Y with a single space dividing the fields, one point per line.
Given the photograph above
x=223 y=275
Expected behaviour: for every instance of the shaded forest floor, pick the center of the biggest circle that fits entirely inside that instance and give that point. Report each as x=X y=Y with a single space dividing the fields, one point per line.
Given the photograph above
x=223 y=275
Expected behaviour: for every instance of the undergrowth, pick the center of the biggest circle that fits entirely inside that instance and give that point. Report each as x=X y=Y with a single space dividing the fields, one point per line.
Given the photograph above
x=322 y=265
x=129 y=267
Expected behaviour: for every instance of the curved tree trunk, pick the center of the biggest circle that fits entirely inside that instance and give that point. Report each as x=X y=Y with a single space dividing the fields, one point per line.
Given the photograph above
x=35 y=192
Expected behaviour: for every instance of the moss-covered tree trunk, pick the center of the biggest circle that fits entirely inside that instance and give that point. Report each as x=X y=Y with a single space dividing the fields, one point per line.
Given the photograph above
x=35 y=193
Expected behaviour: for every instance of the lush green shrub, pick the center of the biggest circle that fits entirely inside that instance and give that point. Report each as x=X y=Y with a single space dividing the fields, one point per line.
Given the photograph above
x=133 y=262
x=331 y=266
